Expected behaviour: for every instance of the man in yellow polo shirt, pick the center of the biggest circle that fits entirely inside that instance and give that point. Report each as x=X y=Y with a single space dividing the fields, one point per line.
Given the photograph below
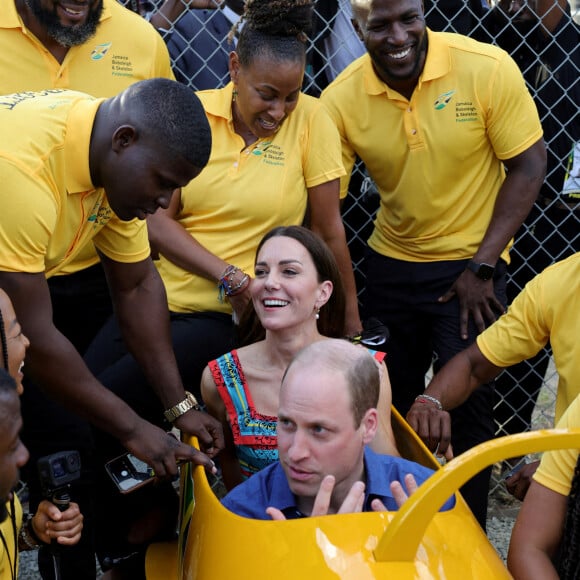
x=547 y=309
x=75 y=169
x=100 y=48
x=435 y=117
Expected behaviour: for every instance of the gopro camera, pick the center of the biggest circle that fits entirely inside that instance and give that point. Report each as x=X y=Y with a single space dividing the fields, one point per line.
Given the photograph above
x=58 y=471
x=129 y=473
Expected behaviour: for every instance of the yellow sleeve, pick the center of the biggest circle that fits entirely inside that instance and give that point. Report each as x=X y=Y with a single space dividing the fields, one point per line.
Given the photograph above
x=124 y=241
x=557 y=467
x=347 y=151
x=323 y=160
x=29 y=216
x=513 y=122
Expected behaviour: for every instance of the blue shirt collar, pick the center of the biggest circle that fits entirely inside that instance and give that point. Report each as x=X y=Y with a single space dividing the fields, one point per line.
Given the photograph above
x=377 y=485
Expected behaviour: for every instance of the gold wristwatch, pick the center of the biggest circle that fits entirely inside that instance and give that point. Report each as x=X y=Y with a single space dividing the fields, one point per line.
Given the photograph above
x=190 y=402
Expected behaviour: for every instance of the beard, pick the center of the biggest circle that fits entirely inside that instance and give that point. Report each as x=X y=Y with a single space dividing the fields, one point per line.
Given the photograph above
x=66 y=35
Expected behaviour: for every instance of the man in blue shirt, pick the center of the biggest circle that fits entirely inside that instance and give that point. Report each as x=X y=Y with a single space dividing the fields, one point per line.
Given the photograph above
x=327 y=415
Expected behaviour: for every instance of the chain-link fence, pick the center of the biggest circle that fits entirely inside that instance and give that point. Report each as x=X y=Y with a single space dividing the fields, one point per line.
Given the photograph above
x=548 y=54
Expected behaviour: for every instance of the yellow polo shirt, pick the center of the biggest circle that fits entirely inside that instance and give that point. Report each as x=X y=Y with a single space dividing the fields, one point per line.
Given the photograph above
x=556 y=469
x=50 y=208
x=548 y=308
x=436 y=159
x=245 y=191
x=10 y=560
x=124 y=50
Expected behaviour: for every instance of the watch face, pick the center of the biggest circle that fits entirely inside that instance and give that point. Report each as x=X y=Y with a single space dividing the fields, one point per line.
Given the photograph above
x=485 y=271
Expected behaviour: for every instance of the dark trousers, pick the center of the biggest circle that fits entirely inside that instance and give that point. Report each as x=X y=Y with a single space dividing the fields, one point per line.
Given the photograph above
x=404 y=296
x=81 y=305
x=197 y=338
x=549 y=234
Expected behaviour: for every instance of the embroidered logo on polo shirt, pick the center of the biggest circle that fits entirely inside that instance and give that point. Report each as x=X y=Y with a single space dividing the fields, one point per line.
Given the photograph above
x=465 y=112
x=260 y=147
x=100 y=215
x=443 y=100
x=100 y=50
x=122 y=66
x=274 y=155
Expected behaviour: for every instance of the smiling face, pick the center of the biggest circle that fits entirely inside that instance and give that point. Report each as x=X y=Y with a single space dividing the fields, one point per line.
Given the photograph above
x=267 y=92
x=395 y=37
x=317 y=435
x=286 y=291
x=16 y=341
x=13 y=454
x=68 y=22
x=139 y=177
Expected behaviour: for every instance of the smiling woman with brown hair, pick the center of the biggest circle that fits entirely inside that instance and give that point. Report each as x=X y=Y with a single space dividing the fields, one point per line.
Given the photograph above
x=298 y=298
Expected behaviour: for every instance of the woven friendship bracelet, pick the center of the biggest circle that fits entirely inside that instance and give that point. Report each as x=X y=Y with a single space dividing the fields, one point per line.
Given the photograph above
x=429 y=399
x=227 y=285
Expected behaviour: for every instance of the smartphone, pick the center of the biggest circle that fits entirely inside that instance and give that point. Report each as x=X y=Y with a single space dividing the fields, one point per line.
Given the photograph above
x=129 y=473
x=512 y=471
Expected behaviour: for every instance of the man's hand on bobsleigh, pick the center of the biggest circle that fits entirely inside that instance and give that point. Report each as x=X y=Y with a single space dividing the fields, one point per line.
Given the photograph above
x=433 y=427
x=207 y=429
x=162 y=451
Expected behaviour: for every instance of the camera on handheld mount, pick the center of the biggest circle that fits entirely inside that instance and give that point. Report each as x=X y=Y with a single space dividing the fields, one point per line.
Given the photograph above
x=56 y=473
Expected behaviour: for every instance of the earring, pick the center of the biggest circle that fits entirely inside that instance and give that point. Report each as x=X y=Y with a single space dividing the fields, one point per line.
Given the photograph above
x=234 y=95
x=317 y=315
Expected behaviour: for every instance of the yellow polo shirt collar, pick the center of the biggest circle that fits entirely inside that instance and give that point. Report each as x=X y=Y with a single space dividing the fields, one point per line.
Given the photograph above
x=437 y=65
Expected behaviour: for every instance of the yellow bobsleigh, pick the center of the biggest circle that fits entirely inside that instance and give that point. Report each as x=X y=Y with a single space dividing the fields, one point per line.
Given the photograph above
x=418 y=541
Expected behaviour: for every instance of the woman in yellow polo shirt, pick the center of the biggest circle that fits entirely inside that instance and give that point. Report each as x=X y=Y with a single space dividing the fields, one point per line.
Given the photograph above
x=275 y=153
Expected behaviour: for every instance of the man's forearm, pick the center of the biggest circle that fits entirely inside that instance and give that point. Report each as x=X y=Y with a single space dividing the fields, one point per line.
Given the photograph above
x=144 y=321
x=514 y=201
x=56 y=366
x=455 y=382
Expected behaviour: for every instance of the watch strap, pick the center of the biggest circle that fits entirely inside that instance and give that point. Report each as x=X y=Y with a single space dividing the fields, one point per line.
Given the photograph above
x=190 y=402
x=481 y=270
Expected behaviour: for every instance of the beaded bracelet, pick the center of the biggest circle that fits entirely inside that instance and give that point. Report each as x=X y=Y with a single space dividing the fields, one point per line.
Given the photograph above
x=226 y=284
x=429 y=399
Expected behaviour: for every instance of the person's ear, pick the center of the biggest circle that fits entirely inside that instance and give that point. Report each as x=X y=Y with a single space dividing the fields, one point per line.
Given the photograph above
x=234 y=67
x=370 y=424
x=324 y=293
x=123 y=137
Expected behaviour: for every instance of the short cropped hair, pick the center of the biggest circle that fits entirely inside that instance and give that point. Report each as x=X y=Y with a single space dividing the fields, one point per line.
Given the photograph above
x=172 y=114
x=355 y=363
